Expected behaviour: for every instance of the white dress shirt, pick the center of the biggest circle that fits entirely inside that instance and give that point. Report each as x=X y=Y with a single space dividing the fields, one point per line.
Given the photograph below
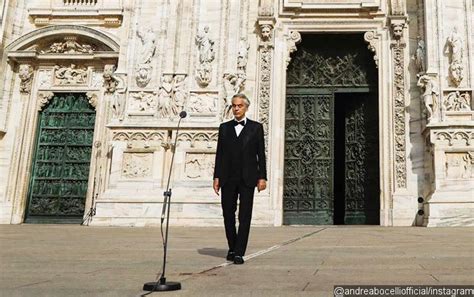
x=239 y=128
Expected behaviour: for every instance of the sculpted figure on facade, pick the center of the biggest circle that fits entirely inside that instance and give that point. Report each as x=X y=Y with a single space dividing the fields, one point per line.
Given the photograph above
x=206 y=55
x=71 y=75
x=419 y=56
x=179 y=94
x=231 y=87
x=110 y=82
x=144 y=68
x=165 y=96
x=430 y=97
x=69 y=46
x=25 y=72
x=455 y=101
x=454 y=49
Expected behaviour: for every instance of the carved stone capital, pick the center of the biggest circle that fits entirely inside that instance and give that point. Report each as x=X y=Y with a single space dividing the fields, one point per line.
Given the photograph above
x=93 y=99
x=373 y=39
x=25 y=72
x=266 y=26
x=43 y=99
x=292 y=40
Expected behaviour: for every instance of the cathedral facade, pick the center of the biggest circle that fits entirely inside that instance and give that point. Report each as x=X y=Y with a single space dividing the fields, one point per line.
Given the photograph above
x=366 y=105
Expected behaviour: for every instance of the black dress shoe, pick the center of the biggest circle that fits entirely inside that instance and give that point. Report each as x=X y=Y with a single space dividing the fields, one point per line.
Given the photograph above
x=238 y=260
x=230 y=256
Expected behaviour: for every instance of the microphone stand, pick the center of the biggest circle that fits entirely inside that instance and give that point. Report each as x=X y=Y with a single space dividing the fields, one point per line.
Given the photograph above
x=162 y=284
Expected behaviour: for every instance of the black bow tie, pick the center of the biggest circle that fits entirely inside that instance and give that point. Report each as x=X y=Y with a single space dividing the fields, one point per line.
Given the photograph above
x=239 y=123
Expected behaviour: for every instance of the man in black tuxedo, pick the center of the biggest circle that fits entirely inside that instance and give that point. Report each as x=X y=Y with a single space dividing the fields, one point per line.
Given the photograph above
x=240 y=167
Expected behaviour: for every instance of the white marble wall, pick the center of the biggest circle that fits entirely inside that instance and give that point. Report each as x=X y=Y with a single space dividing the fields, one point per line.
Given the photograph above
x=193 y=55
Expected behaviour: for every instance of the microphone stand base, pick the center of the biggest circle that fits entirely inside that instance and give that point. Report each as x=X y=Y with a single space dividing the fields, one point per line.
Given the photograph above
x=161 y=286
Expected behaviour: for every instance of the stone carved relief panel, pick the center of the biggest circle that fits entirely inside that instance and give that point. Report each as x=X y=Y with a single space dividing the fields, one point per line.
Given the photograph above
x=457 y=101
x=460 y=165
x=143 y=102
x=202 y=104
x=172 y=95
x=137 y=165
x=199 y=166
x=70 y=75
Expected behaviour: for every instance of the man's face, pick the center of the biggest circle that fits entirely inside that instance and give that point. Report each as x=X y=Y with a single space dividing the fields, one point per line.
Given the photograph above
x=239 y=108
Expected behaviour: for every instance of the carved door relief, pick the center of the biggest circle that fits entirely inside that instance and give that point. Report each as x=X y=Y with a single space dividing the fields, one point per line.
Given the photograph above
x=60 y=172
x=309 y=139
x=331 y=172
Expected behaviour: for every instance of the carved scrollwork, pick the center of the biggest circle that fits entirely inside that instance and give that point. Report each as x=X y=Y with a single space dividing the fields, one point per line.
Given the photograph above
x=292 y=40
x=373 y=39
x=69 y=46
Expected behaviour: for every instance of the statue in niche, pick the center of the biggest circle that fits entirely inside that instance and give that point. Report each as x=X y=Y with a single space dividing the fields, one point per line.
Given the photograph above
x=206 y=56
x=454 y=48
x=179 y=94
x=165 y=96
x=419 y=56
x=430 y=97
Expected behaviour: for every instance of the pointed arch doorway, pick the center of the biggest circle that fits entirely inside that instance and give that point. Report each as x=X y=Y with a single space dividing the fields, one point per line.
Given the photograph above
x=331 y=165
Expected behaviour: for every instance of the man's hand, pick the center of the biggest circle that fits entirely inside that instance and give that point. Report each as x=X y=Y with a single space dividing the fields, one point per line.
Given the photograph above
x=216 y=186
x=261 y=185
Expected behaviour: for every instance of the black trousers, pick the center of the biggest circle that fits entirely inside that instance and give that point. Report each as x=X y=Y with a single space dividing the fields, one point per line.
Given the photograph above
x=232 y=191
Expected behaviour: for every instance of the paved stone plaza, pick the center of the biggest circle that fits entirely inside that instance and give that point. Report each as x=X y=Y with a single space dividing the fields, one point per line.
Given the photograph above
x=69 y=260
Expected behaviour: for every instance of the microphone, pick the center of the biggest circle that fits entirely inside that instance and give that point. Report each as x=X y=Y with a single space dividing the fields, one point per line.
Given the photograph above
x=183 y=114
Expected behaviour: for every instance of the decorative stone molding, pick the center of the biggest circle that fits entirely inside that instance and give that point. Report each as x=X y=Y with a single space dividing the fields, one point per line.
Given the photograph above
x=140 y=139
x=25 y=72
x=93 y=99
x=397 y=25
x=265 y=56
x=454 y=48
x=293 y=38
x=207 y=137
x=373 y=39
x=205 y=47
x=453 y=137
x=70 y=75
x=430 y=97
x=43 y=99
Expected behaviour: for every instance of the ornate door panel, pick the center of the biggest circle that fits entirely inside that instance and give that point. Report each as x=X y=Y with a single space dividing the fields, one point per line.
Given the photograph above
x=61 y=162
x=361 y=160
x=308 y=183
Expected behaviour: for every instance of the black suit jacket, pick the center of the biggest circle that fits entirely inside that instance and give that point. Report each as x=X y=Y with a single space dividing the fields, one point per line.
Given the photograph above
x=253 y=156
